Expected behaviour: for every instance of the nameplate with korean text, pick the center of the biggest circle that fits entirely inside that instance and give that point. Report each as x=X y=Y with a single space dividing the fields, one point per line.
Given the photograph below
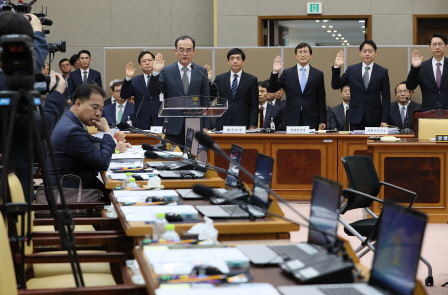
x=376 y=130
x=297 y=129
x=234 y=129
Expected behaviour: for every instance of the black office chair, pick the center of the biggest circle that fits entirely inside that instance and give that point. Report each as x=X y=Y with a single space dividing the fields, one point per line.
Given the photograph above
x=364 y=187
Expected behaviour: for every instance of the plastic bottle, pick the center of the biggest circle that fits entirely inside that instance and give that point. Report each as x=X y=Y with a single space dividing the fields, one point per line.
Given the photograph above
x=170 y=234
x=126 y=179
x=272 y=124
x=132 y=183
x=158 y=228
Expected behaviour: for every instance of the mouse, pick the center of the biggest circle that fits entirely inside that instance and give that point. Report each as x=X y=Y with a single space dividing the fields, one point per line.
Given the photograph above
x=155 y=199
x=205 y=270
x=173 y=217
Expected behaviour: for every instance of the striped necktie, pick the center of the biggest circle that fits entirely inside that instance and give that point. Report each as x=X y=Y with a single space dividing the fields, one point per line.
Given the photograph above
x=185 y=81
x=365 y=77
x=234 y=85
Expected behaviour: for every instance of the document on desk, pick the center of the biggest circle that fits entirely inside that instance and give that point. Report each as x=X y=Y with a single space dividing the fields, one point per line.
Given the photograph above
x=121 y=176
x=140 y=196
x=185 y=267
x=149 y=213
x=234 y=257
x=140 y=154
x=240 y=289
x=134 y=163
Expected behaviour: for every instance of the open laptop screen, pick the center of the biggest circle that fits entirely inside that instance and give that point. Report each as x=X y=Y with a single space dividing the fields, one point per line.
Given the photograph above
x=263 y=171
x=236 y=153
x=188 y=141
x=398 y=248
x=202 y=154
x=324 y=211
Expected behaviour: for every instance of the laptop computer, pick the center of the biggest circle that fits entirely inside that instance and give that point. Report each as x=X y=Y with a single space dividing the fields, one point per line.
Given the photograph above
x=394 y=266
x=325 y=200
x=198 y=172
x=258 y=203
x=236 y=153
x=176 y=165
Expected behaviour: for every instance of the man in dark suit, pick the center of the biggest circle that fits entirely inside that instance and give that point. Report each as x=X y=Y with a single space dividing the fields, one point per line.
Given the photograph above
x=74 y=62
x=183 y=78
x=83 y=75
x=401 y=111
x=431 y=75
x=270 y=112
x=74 y=148
x=369 y=88
x=278 y=99
x=111 y=99
x=65 y=67
x=305 y=88
x=240 y=89
x=337 y=115
x=121 y=110
x=144 y=88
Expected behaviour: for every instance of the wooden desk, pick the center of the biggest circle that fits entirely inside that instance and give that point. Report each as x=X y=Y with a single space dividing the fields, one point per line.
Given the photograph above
x=229 y=229
x=418 y=165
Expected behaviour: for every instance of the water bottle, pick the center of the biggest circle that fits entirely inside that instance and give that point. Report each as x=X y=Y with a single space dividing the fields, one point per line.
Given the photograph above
x=158 y=228
x=272 y=124
x=170 y=234
x=126 y=179
x=132 y=183
x=129 y=121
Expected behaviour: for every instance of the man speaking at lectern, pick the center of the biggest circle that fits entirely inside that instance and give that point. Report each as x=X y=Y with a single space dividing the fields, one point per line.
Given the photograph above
x=183 y=78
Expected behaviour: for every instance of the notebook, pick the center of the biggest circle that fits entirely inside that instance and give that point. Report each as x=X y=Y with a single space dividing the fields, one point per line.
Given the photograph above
x=394 y=266
x=198 y=172
x=258 y=203
x=324 y=216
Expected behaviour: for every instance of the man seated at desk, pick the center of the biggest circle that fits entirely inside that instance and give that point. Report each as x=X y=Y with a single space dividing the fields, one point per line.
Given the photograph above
x=337 y=116
x=401 y=111
x=74 y=148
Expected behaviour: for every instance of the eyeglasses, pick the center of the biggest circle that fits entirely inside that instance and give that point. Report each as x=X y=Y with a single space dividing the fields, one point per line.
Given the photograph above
x=182 y=51
x=437 y=45
x=117 y=91
x=403 y=91
x=303 y=52
x=367 y=51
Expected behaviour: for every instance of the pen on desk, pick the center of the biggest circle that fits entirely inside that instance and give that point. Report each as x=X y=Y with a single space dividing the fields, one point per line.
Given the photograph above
x=199 y=279
x=143 y=203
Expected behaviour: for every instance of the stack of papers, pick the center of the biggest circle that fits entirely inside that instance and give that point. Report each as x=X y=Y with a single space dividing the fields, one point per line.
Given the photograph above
x=140 y=196
x=202 y=289
x=149 y=213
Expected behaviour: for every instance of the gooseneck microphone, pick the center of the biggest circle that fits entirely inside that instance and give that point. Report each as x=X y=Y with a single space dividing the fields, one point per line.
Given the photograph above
x=217 y=89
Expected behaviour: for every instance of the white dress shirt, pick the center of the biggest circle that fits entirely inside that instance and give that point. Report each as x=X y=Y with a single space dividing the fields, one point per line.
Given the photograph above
x=405 y=107
x=346 y=107
x=182 y=72
x=117 y=109
x=82 y=74
x=265 y=106
x=237 y=79
x=364 y=69
x=147 y=77
x=434 y=67
x=307 y=71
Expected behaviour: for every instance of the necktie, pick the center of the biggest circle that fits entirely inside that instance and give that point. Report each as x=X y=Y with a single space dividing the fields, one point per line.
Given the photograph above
x=403 y=116
x=260 y=117
x=438 y=75
x=120 y=113
x=347 y=126
x=234 y=84
x=84 y=79
x=185 y=81
x=303 y=79
x=365 y=77
x=147 y=82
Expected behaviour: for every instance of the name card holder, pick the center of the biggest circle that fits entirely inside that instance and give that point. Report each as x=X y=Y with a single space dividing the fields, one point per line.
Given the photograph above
x=442 y=138
x=234 y=129
x=156 y=129
x=297 y=129
x=376 y=130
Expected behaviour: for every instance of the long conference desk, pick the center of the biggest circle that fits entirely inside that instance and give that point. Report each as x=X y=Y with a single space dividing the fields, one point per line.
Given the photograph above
x=418 y=165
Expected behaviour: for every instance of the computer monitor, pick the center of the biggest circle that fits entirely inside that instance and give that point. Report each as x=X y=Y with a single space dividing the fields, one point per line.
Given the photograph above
x=324 y=211
x=263 y=172
x=202 y=154
x=188 y=141
x=236 y=154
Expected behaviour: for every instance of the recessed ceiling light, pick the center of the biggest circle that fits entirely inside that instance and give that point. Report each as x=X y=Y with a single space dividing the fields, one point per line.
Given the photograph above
x=348 y=43
x=339 y=35
x=329 y=31
x=364 y=32
x=362 y=21
x=363 y=27
x=337 y=38
x=333 y=35
x=330 y=26
x=325 y=20
x=342 y=38
x=317 y=21
x=324 y=26
x=335 y=31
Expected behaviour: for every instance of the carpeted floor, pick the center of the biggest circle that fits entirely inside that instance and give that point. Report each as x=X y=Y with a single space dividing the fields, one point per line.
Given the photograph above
x=435 y=246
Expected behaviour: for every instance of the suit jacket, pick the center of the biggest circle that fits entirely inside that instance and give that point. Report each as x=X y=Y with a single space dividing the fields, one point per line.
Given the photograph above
x=109 y=112
x=75 y=79
x=108 y=101
x=76 y=153
x=432 y=97
x=170 y=84
x=373 y=102
x=276 y=114
x=146 y=104
x=243 y=108
x=395 y=116
x=280 y=103
x=312 y=100
x=336 y=118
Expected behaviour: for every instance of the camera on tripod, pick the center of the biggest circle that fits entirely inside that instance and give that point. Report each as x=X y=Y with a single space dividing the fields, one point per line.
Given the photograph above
x=57 y=46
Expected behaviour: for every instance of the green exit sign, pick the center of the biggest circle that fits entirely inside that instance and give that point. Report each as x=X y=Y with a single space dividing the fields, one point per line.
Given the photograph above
x=314 y=7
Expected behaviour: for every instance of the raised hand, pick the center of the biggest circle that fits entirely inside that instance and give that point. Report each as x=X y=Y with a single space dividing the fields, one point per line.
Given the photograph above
x=159 y=63
x=277 y=67
x=209 y=72
x=416 y=59
x=130 y=71
x=339 y=59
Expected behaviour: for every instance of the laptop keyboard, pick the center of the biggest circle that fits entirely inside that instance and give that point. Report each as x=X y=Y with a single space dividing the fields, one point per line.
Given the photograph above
x=173 y=164
x=340 y=291
x=289 y=252
x=232 y=209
